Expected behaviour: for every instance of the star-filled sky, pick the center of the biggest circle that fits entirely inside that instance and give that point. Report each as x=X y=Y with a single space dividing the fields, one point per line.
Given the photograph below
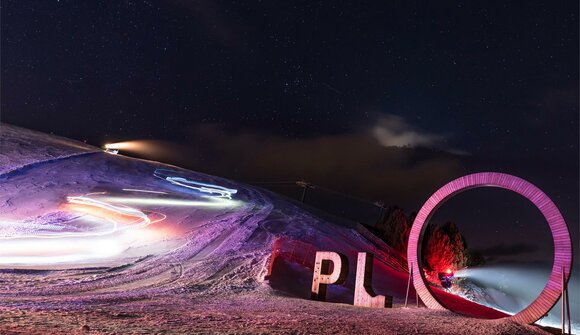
x=383 y=100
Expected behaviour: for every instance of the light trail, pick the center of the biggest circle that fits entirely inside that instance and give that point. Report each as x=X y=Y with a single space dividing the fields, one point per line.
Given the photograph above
x=511 y=287
x=143 y=191
x=212 y=202
x=120 y=210
x=206 y=188
x=128 y=145
x=100 y=225
x=210 y=189
x=117 y=218
x=110 y=230
x=61 y=250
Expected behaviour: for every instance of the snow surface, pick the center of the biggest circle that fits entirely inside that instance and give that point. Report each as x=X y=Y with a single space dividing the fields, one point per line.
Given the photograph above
x=20 y=147
x=200 y=270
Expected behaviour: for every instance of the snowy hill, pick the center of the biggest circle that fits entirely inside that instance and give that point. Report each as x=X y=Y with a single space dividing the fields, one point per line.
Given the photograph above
x=83 y=232
x=20 y=147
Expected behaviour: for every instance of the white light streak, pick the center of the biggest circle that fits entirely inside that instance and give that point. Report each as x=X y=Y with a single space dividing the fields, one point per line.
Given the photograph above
x=99 y=225
x=205 y=188
x=52 y=247
x=210 y=189
x=143 y=191
x=142 y=219
x=211 y=202
x=52 y=251
x=123 y=145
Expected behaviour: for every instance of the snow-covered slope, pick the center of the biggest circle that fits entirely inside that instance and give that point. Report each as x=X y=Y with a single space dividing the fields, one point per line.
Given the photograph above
x=80 y=232
x=20 y=147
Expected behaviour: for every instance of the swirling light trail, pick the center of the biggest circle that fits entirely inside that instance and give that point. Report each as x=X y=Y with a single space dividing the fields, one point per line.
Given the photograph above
x=99 y=225
x=139 y=216
x=74 y=246
x=210 y=189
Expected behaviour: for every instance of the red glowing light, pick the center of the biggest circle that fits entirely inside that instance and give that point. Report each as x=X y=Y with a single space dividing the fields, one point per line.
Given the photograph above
x=449 y=271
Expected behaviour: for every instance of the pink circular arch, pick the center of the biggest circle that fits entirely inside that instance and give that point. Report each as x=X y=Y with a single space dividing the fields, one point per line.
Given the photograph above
x=562 y=244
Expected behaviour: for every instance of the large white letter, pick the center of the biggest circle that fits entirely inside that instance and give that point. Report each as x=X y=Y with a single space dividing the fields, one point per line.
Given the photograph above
x=322 y=277
x=363 y=291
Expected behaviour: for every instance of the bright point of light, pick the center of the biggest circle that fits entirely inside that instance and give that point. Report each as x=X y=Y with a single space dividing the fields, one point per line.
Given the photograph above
x=123 y=145
x=112 y=151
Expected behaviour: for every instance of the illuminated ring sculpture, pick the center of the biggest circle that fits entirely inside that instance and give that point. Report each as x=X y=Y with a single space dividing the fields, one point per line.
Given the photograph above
x=562 y=244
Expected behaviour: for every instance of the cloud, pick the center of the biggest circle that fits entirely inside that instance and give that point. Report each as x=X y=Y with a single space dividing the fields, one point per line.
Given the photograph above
x=393 y=131
x=354 y=163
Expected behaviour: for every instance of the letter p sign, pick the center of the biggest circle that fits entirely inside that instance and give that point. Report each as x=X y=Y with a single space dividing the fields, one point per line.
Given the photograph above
x=322 y=278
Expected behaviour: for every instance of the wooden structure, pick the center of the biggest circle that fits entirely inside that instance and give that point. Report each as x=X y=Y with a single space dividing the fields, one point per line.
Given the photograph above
x=363 y=292
x=561 y=237
x=323 y=276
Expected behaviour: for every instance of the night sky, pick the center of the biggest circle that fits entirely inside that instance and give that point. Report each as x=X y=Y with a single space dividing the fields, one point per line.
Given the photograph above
x=381 y=100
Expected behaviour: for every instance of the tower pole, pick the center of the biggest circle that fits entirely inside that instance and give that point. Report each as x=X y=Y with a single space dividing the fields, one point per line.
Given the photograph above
x=409 y=284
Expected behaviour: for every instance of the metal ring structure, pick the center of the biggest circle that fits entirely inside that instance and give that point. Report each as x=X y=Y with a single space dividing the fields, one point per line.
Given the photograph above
x=560 y=234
